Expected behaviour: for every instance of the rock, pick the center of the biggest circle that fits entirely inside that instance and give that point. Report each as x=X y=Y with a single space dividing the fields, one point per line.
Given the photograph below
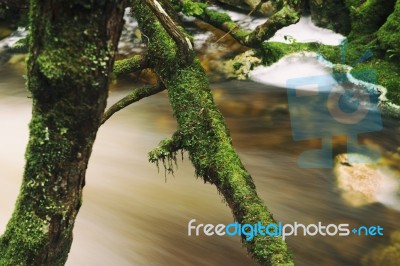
x=365 y=183
x=333 y=15
x=240 y=66
x=4 y=32
x=385 y=255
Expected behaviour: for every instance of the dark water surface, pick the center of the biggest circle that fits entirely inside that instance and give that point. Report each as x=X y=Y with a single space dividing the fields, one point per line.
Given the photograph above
x=131 y=216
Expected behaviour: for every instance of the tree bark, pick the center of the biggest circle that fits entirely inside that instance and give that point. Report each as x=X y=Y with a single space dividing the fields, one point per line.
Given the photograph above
x=72 y=47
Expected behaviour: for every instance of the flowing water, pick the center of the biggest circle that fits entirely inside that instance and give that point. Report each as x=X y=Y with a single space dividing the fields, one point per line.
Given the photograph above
x=132 y=215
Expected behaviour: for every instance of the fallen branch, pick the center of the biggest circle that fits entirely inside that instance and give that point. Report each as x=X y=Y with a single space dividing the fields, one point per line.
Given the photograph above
x=204 y=135
x=287 y=15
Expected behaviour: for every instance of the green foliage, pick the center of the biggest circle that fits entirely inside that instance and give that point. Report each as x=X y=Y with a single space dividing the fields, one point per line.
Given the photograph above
x=191 y=8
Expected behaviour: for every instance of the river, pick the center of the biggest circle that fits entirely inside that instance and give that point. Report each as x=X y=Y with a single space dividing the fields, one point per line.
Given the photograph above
x=134 y=215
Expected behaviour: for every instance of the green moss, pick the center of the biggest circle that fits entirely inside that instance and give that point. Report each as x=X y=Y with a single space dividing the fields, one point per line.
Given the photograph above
x=389 y=34
x=387 y=69
x=204 y=135
x=287 y=15
x=68 y=66
x=202 y=124
x=368 y=16
x=27 y=231
x=166 y=152
x=218 y=17
x=191 y=8
x=237 y=65
x=128 y=65
x=85 y=58
x=24 y=234
x=388 y=75
x=271 y=52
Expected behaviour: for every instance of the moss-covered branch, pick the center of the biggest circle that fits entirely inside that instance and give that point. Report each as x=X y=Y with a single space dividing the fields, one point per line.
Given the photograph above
x=135 y=96
x=205 y=136
x=166 y=152
x=284 y=15
x=130 y=65
x=167 y=148
x=182 y=41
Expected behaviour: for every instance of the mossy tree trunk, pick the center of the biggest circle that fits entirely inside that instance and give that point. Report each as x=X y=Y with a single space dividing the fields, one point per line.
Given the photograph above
x=203 y=133
x=72 y=49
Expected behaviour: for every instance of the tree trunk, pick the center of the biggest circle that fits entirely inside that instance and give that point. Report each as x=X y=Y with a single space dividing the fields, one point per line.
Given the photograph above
x=72 y=47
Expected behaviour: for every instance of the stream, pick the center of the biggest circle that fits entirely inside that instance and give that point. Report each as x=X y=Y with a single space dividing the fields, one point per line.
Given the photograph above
x=133 y=214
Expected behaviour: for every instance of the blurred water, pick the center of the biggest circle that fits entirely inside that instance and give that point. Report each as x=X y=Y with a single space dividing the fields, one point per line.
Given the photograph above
x=131 y=216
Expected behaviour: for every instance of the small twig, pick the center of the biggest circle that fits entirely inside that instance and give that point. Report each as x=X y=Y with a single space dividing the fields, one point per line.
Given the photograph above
x=247 y=16
x=135 y=96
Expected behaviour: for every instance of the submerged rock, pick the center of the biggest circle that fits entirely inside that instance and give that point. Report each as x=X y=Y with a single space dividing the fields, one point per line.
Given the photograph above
x=240 y=66
x=365 y=183
x=385 y=255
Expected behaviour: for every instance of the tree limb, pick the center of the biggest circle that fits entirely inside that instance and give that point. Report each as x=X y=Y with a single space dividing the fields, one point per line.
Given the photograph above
x=287 y=15
x=204 y=135
x=166 y=152
x=166 y=148
x=284 y=17
x=183 y=42
x=131 y=64
x=135 y=96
